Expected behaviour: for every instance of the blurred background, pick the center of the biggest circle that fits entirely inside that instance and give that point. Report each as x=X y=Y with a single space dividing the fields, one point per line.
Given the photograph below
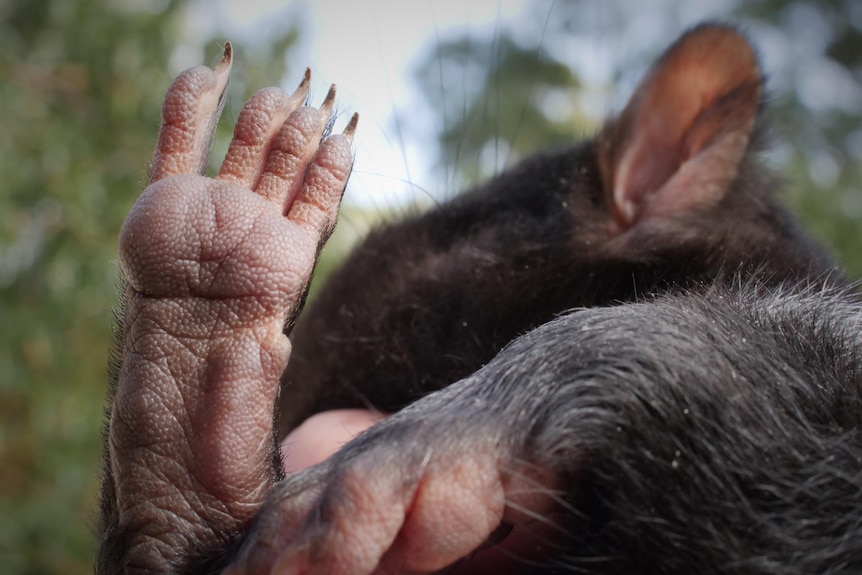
x=449 y=92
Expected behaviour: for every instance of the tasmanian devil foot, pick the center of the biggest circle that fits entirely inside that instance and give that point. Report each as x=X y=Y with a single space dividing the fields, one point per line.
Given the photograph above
x=213 y=269
x=416 y=493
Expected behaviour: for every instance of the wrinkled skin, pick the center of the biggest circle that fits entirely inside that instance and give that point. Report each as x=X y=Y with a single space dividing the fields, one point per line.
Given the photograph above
x=592 y=443
x=213 y=269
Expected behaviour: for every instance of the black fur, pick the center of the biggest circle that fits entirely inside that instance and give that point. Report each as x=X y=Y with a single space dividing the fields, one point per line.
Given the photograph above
x=710 y=431
x=425 y=302
x=701 y=404
x=704 y=410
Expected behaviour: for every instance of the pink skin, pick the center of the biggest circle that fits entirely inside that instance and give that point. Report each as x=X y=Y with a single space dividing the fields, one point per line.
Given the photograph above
x=213 y=268
x=321 y=435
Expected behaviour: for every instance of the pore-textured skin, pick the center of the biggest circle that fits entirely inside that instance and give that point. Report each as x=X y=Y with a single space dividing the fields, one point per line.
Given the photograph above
x=213 y=269
x=625 y=355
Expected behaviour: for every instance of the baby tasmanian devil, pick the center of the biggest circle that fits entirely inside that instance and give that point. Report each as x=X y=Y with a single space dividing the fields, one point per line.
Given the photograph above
x=620 y=357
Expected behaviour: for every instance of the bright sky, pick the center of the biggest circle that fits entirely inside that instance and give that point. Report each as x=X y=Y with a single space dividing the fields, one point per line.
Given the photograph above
x=367 y=47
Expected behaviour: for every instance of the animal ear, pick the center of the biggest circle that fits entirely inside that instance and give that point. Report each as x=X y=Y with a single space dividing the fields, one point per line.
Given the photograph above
x=678 y=143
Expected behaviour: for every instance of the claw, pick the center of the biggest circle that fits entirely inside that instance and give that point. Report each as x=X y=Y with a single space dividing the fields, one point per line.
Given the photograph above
x=301 y=91
x=303 y=85
x=222 y=70
x=187 y=130
x=350 y=129
x=328 y=102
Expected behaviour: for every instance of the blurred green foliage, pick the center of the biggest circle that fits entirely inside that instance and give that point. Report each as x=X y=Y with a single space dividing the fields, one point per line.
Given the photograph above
x=80 y=79
x=80 y=87
x=495 y=89
x=80 y=83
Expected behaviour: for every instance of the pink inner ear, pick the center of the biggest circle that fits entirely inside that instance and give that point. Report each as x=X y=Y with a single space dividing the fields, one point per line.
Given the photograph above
x=698 y=102
x=642 y=170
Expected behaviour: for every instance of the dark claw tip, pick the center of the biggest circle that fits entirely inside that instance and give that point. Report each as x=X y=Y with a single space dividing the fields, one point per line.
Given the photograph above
x=306 y=78
x=351 y=125
x=330 y=97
